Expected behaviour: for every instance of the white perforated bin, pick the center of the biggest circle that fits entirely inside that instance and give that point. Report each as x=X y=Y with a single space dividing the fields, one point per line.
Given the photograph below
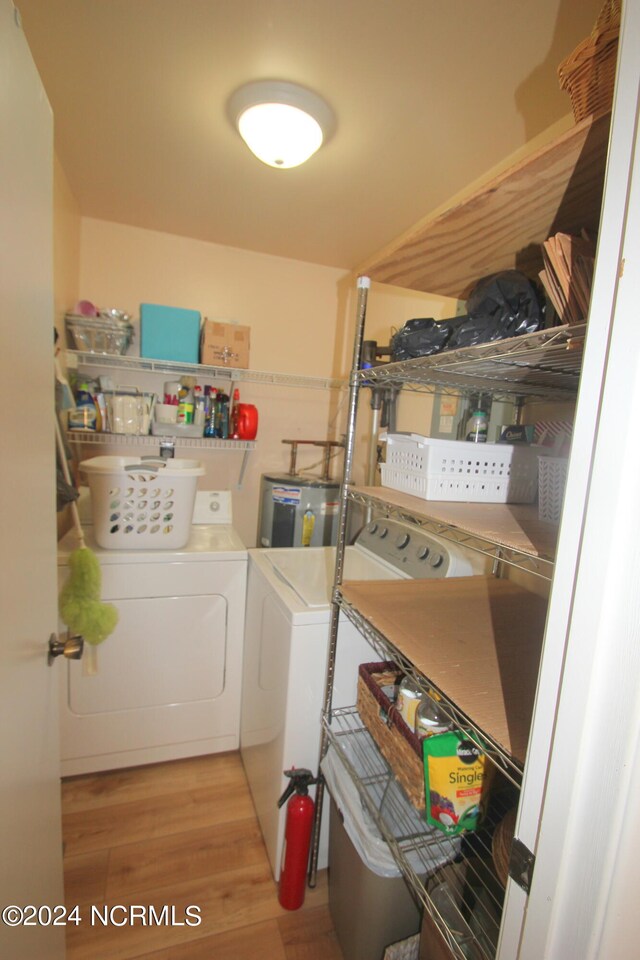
x=142 y=503
x=459 y=470
x=552 y=478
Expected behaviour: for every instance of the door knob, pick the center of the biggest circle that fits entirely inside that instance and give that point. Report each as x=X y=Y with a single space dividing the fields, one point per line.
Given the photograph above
x=71 y=648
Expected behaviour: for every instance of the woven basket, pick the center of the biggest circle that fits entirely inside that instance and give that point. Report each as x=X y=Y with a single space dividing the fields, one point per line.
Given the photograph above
x=501 y=845
x=588 y=74
x=399 y=745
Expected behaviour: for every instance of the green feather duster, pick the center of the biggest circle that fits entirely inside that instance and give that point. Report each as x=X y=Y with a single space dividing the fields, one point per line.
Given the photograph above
x=80 y=606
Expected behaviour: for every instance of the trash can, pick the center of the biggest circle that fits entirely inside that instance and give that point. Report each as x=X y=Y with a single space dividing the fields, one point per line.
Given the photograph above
x=370 y=903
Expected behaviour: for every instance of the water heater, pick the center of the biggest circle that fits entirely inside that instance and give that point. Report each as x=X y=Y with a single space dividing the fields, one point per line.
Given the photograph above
x=296 y=510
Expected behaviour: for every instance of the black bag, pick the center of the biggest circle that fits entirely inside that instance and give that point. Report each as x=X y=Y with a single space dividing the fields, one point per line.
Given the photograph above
x=420 y=338
x=502 y=305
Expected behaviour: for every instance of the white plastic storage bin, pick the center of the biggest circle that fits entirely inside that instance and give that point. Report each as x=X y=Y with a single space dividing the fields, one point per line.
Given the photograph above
x=142 y=503
x=459 y=470
x=552 y=478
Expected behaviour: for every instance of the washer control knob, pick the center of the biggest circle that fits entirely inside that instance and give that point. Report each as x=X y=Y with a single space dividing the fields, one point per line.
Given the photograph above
x=423 y=553
x=403 y=541
x=373 y=528
x=383 y=532
x=436 y=560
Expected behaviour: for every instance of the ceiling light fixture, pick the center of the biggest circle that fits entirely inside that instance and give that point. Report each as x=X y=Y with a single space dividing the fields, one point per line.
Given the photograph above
x=281 y=123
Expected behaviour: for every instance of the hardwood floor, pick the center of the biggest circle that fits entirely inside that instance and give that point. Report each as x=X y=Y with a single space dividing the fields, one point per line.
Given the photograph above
x=180 y=834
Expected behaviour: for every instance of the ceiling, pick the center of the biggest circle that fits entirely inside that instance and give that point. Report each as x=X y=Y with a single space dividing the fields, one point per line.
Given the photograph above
x=428 y=96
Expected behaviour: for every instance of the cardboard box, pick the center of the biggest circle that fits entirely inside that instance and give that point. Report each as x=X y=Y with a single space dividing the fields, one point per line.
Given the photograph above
x=169 y=333
x=224 y=344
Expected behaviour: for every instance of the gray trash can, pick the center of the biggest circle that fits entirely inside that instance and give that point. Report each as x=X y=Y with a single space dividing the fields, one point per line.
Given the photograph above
x=368 y=912
x=370 y=903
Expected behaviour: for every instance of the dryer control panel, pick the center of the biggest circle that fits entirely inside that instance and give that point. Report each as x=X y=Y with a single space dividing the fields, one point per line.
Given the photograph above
x=416 y=553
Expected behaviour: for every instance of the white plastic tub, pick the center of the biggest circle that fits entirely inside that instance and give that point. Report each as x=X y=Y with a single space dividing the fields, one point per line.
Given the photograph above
x=458 y=470
x=142 y=503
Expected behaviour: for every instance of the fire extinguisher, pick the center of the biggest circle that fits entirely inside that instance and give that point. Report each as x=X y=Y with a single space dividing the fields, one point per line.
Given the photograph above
x=297 y=837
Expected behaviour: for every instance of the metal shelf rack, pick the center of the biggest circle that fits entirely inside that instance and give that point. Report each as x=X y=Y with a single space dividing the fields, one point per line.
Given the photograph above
x=421 y=851
x=77 y=358
x=503 y=761
x=148 y=440
x=538 y=561
x=209 y=444
x=543 y=366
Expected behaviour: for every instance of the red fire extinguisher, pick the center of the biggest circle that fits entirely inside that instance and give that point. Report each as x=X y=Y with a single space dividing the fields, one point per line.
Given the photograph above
x=297 y=837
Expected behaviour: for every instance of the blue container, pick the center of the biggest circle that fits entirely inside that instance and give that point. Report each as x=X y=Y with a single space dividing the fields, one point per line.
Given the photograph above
x=169 y=333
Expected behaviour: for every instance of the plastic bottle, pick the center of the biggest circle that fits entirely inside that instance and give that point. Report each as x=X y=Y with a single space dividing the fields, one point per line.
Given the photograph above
x=430 y=717
x=233 y=416
x=477 y=427
x=210 y=421
x=222 y=416
x=84 y=416
x=185 y=405
x=199 y=415
x=408 y=700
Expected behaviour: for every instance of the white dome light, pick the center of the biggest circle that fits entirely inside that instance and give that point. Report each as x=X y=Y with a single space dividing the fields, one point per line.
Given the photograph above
x=281 y=123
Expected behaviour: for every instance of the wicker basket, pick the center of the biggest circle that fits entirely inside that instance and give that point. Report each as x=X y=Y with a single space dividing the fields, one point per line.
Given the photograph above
x=397 y=743
x=588 y=74
x=501 y=845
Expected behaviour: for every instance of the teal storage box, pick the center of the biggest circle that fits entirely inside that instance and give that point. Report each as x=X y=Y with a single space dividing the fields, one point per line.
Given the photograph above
x=169 y=333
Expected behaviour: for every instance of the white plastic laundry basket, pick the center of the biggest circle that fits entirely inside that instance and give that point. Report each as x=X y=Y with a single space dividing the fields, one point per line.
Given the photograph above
x=142 y=503
x=458 y=470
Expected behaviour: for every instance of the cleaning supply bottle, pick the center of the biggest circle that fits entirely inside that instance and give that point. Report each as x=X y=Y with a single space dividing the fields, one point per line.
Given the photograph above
x=233 y=416
x=477 y=427
x=199 y=416
x=222 y=416
x=210 y=422
x=185 y=405
x=84 y=416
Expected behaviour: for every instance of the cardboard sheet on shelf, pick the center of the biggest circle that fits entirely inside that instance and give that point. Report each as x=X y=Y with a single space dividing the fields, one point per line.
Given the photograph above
x=478 y=639
x=510 y=524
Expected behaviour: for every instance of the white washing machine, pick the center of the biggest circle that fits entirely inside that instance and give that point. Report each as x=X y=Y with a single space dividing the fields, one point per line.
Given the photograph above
x=168 y=682
x=286 y=645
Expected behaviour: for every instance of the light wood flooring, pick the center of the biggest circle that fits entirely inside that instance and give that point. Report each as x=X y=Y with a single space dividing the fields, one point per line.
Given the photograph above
x=179 y=834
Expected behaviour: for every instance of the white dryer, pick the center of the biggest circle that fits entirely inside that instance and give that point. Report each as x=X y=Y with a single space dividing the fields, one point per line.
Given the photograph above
x=286 y=646
x=168 y=682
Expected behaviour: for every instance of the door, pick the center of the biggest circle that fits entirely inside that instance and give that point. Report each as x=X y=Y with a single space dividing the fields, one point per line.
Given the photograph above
x=579 y=809
x=31 y=848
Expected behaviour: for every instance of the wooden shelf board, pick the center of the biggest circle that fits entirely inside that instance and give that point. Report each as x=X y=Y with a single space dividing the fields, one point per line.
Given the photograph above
x=512 y=525
x=478 y=639
x=501 y=225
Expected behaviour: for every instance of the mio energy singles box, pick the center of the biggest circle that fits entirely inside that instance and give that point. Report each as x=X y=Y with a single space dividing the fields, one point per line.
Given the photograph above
x=457 y=776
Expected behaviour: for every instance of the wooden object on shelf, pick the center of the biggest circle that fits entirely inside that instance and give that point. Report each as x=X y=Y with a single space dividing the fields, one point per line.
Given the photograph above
x=568 y=275
x=477 y=639
x=503 y=224
x=588 y=74
x=515 y=526
x=397 y=743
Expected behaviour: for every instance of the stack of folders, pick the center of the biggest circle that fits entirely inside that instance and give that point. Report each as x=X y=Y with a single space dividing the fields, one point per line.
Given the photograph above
x=568 y=274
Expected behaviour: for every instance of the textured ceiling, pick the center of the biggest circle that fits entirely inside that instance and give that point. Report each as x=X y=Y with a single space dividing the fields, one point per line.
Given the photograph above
x=427 y=97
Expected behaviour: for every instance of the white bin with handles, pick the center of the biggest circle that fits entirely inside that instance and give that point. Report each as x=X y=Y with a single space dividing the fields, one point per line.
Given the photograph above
x=142 y=503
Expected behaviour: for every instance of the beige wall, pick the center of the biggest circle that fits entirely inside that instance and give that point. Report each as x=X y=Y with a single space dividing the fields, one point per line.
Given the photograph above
x=301 y=317
x=388 y=309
